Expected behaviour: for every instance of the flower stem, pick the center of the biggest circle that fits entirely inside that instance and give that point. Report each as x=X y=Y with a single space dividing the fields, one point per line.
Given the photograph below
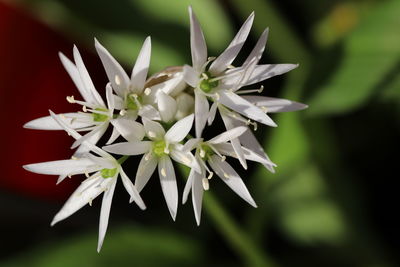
x=122 y=159
x=239 y=240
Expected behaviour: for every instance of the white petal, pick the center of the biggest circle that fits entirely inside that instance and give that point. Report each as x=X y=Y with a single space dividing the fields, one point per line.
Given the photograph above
x=129 y=129
x=231 y=178
x=212 y=113
x=179 y=130
x=118 y=102
x=191 y=76
x=131 y=189
x=228 y=135
x=114 y=135
x=167 y=106
x=139 y=72
x=168 y=184
x=153 y=129
x=272 y=105
x=197 y=195
x=101 y=128
x=186 y=158
x=229 y=124
x=78 y=199
x=201 y=111
x=197 y=43
x=95 y=98
x=105 y=212
x=75 y=76
x=188 y=186
x=110 y=99
x=174 y=85
x=244 y=107
x=149 y=112
x=185 y=105
x=230 y=53
x=67 y=128
x=191 y=144
x=146 y=168
x=258 y=50
x=61 y=167
x=115 y=73
x=263 y=72
x=48 y=123
x=129 y=148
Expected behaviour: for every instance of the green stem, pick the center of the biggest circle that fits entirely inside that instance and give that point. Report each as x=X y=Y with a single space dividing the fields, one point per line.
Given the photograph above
x=122 y=159
x=239 y=240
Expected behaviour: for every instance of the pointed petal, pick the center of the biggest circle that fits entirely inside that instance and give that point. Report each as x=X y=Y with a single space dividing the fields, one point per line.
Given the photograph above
x=129 y=129
x=191 y=76
x=131 y=189
x=149 y=112
x=212 y=113
x=153 y=129
x=48 y=123
x=79 y=198
x=228 y=135
x=191 y=144
x=244 y=107
x=197 y=43
x=110 y=99
x=115 y=73
x=93 y=95
x=263 y=72
x=258 y=50
x=146 y=168
x=179 y=130
x=231 y=178
x=75 y=76
x=201 y=111
x=61 y=167
x=168 y=184
x=62 y=123
x=185 y=105
x=114 y=135
x=129 y=148
x=90 y=135
x=197 y=195
x=272 y=105
x=105 y=212
x=139 y=72
x=167 y=106
x=186 y=158
x=188 y=186
x=230 y=53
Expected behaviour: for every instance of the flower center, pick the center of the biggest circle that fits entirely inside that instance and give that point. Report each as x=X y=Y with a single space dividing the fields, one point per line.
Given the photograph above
x=208 y=84
x=159 y=148
x=100 y=117
x=108 y=173
x=206 y=152
x=133 y=101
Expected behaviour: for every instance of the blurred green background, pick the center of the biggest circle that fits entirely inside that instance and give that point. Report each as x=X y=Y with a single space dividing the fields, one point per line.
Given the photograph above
x=333 y=200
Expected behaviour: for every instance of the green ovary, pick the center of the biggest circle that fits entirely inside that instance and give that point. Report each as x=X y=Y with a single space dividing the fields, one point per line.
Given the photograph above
x=206 y=152
x=131 y=103
x=207 y=85
x=108 y=173
x=100 y=117
x=159 y=148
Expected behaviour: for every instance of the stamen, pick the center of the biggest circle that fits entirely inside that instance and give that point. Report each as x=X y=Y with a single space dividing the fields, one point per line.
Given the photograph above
x=84 y=108
x=147 y=91
x=223 y=158
x=117 y=80
x=166 y=149
x=231 y=67
x=186 y=160
x=240 y=92
x=74 y=158
x=163 y=173
x=226 y=175
x=205 y=76
x=87 y=174
x=216 y=96
x=90 y=201
x=71 y=99
x=264 y=109
x=210 y=175
x=202 y=153
x=147 y=157
x=206 y=185
x=151 y=134
x=252 y=123
x=122 y=112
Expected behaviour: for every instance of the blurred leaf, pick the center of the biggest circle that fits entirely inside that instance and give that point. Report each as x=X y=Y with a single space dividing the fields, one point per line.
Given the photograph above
x=213 y=19
x=305 y=211
x=127 y=246
x=370 y=52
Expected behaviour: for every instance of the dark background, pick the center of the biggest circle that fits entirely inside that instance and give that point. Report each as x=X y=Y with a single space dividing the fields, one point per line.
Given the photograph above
x=333 y=200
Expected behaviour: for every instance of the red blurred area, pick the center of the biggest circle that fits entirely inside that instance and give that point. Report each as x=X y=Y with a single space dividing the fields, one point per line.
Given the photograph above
x=32 y=80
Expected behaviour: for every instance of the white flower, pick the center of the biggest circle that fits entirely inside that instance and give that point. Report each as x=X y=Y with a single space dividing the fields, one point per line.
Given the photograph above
x=105 y=170
x=161 y=147
x=214 y=152
x=134 y=97
x=221 y=81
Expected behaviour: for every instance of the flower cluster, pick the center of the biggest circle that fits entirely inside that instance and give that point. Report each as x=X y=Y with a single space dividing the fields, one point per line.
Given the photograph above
x=154 y=116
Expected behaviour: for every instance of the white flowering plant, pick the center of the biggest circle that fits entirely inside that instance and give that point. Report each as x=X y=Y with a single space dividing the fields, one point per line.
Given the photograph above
x=155 y=115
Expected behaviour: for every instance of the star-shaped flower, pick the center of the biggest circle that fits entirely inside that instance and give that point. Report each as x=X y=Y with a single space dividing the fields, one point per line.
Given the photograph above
x=104 y=170
x=161 y=147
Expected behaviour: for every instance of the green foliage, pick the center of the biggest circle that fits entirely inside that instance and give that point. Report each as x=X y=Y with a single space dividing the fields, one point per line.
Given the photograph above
x=370 y=53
